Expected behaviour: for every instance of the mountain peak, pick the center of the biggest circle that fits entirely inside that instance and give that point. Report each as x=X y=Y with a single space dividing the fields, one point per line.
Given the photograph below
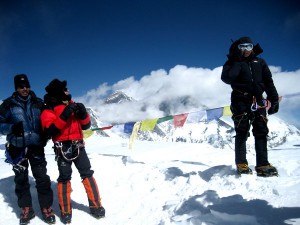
x=118 y=97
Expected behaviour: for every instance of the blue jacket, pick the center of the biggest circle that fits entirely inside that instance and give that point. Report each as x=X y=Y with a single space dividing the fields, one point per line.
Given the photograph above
x=15 y=109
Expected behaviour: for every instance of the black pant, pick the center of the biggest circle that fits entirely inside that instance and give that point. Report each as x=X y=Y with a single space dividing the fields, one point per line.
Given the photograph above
x=43 y=184
x=67 y=154
x=243 y=119
x=82 y=164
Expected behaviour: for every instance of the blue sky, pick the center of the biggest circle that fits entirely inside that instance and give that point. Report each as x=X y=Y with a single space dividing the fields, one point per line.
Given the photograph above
x=103 y=45
x=92 y=42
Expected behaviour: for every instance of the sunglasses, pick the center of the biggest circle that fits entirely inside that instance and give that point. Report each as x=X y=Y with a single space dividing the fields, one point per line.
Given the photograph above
x=245 y=47
x=22 y=86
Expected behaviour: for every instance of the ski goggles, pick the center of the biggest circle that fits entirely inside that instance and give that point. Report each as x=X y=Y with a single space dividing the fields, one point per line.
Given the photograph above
x=245 y=47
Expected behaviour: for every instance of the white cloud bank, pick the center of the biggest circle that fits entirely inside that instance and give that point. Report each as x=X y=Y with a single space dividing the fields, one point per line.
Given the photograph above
x=181 y=90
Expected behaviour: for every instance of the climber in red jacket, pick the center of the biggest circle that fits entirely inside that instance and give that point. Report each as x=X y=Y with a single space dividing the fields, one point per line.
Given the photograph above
x=63 y=121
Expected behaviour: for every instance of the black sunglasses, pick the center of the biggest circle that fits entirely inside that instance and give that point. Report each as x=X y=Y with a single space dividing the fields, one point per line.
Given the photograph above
x=22 y=86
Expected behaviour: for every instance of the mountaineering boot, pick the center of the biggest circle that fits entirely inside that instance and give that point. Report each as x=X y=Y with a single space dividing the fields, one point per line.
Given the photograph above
x=26 y=215
x=48 y=215
x=240 y=154
x=66 y=217
x=98 y=212
x=266 y=171
x=243 y=169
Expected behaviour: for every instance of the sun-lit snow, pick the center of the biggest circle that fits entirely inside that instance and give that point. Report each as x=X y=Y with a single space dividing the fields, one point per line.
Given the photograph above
x=171 y=183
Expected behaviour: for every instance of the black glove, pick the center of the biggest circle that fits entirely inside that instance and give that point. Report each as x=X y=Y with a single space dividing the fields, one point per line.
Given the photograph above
x=65 y=115
x=81 y=111
x=234 y=53
x=17 y=129
x=13 y=151
x=274 y=108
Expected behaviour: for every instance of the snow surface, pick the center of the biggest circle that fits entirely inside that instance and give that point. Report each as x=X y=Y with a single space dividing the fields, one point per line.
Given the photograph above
x=164 y=183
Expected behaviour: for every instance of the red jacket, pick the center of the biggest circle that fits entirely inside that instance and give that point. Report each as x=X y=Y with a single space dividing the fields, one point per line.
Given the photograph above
x=69 y=130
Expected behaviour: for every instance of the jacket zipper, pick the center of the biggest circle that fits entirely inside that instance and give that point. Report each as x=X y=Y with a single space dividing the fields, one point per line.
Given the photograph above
x=252 y=78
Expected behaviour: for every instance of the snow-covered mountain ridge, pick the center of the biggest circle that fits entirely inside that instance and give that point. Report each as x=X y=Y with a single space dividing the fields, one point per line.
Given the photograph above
x=217 y=133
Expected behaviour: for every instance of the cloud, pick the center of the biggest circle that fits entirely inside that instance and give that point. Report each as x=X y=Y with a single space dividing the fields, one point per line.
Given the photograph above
x=182 y=89
x=95 y=96
x=287 y=83
x=285 y=80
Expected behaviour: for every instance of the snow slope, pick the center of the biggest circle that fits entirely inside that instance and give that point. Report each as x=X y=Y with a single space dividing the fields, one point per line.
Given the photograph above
x=163 y=183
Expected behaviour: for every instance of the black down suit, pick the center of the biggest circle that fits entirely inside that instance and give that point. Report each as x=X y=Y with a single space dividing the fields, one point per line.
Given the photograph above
x=249 y=77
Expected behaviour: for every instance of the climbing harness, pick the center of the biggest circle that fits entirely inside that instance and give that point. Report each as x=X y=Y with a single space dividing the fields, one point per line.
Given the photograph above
x=17 y=161
x=69 y=150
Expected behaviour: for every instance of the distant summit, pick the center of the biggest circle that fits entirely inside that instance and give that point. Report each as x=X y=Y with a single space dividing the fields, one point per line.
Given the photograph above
x=118 y=97
x=218 y=133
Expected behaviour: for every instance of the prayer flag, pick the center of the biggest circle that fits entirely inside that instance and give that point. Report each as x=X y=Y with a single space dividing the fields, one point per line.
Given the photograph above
x=227 y=111
x=134 y=133
x=196 y=117
x=164 y=119
x=148 y=124
x=179 y=120
x=214 y=114
x=87 y=133
x=128 y=127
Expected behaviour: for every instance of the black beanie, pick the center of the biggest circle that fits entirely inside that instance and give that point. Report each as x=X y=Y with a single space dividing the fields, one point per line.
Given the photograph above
x=21 y=80
x=56 y=89
x=243 y=40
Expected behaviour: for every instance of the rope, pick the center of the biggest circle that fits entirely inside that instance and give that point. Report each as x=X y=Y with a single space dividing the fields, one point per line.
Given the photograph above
x=266 y=105
x=75 y=144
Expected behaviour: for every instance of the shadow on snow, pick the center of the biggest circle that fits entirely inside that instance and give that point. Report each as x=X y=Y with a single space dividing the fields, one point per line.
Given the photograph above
x=232 y=210
x=209 y=208
x=7 y=189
